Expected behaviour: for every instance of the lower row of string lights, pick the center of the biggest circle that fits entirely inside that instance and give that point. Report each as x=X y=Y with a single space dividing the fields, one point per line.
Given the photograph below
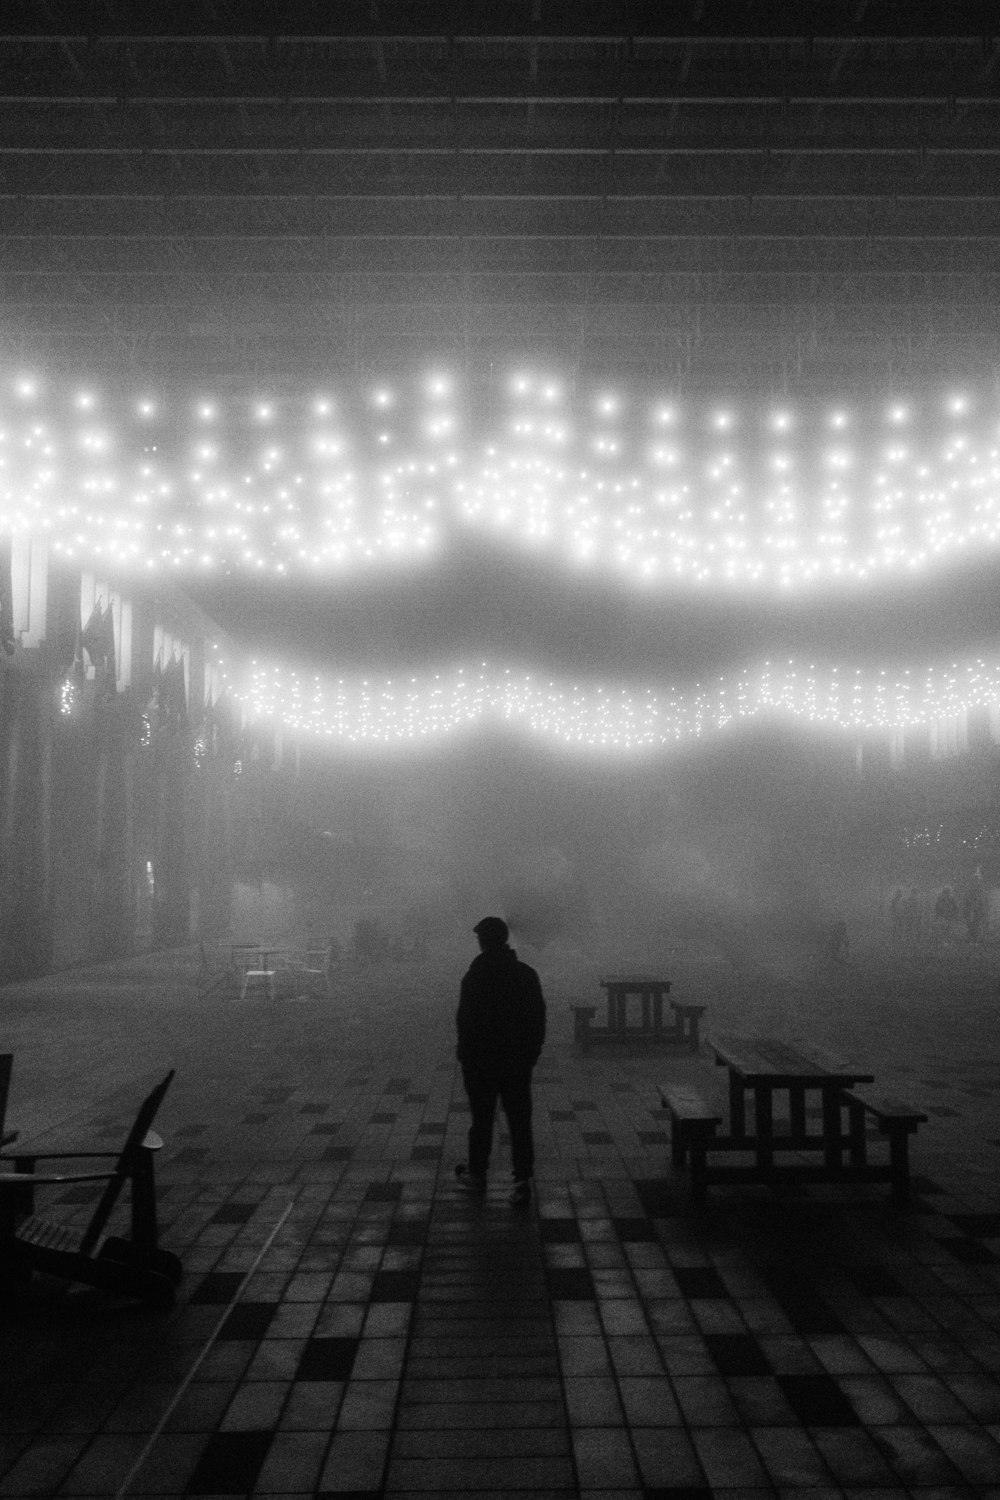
x=411 y=709
x=650 y=491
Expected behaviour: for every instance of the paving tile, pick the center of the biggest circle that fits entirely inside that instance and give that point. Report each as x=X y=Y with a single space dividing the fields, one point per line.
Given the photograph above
x=975 y=1454
x=790 y=1457
x=480 y=1442
x=355 y=1461
x=229 y=1463
x=293 y=1464
x=647 y=1401
x=603 y=1458
x=312 y=1405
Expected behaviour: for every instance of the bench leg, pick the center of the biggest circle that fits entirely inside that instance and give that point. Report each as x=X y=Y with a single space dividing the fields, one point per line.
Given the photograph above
x=678 y=1144
x=699 y=1184
x=857 y=1135
x=899 y=1163
x=582 y=1017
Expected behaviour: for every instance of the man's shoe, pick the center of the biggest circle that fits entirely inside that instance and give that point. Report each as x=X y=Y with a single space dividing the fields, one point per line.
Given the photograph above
x=521 y=1192
x=470 y=1182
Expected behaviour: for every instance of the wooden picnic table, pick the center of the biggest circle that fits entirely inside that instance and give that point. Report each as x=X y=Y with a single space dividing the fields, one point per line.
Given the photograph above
x=650 y=992
x=765 y=1066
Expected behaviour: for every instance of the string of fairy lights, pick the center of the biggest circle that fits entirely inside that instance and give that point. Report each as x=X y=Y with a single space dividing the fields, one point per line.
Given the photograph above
x=643 y=490
x=404 y=710
x=639 y=488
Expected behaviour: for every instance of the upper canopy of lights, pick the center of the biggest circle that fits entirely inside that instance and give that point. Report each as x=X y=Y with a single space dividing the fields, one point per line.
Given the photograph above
x=412 y=709
x=653 y=492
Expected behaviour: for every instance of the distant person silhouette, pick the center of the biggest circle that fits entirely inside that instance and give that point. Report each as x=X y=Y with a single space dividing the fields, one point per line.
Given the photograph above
x=837 y=943
x=974 y=911
x=501 y=1029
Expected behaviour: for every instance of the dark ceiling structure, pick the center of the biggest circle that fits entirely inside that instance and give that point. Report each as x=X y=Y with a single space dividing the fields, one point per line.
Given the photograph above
x=775 y=193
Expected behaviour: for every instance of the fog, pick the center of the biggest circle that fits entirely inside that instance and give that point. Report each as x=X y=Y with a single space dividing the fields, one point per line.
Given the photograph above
x=611 y=858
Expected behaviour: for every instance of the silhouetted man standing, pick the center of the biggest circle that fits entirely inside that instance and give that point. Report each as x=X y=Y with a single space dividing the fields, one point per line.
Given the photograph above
x=501 y=1028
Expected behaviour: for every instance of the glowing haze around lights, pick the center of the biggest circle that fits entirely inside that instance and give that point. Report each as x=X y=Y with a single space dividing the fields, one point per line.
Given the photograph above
x=410 y=709
x=650 y=491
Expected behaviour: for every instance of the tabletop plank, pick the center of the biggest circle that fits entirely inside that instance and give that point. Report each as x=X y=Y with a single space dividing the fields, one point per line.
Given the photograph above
x=772 y=1060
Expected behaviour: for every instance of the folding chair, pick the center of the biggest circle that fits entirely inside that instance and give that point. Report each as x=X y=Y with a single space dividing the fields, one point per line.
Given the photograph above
x=134 y=1266
x=212 y=976
x=315 y=973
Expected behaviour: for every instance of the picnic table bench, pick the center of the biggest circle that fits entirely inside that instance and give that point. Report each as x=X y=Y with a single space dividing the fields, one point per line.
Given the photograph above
x=648 y=1026
x=800 y=1152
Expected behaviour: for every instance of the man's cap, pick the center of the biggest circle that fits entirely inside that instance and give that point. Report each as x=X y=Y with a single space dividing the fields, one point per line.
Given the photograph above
x=492 y=930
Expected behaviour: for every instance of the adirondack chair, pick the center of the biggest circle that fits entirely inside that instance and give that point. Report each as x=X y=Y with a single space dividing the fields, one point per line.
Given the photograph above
x=133 y=1266
x=6 y=1063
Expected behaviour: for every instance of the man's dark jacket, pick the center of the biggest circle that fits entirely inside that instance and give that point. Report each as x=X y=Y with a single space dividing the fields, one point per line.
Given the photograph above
x=501 y=1012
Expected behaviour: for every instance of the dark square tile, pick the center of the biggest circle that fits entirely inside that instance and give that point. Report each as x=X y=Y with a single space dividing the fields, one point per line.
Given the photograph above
x=397 y=1086
x=234 y=1213
x=217 y=1287
x=383 y=1117
x=634 y=1231
x=384 y=1192
x=327 y=1359
x=558 y=1231
x=809 y=1313
x=186 y=1131
x=737 y=1354
x=425 y=1153
x=658 y=1199
x=598 y=1138
x=338 y=1153
x=407 y=1232
x=349 y=1494
x=326 y=1127
x=982 y=1226
x=229 y=1464
x=190 y=1155
x=818 y=1401
x=570 y=1284
x=682 y=1492
x=561 y=1115
x=314 y=1109
x=653 y=1137
x=257 y=1118
x=583 y=1104
x=432 y=1127
x=970 y=1252
x=395 y=1286
x=248 y=1320
x=417 y=1098
x=699 y=1281
x=874 y=1281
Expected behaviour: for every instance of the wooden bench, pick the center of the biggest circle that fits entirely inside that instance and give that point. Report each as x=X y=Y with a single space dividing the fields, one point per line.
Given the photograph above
x=896 y=1120
x=684 y=1032
x=693 y=1123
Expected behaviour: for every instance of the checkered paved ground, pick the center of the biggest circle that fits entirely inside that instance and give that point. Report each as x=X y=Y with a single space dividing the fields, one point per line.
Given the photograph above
x=349 y=1324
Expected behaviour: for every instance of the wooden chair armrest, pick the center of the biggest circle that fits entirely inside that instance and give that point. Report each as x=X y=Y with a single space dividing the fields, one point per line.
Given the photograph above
x=37 y=1179
x=150 y=1141
x=58 y=1155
